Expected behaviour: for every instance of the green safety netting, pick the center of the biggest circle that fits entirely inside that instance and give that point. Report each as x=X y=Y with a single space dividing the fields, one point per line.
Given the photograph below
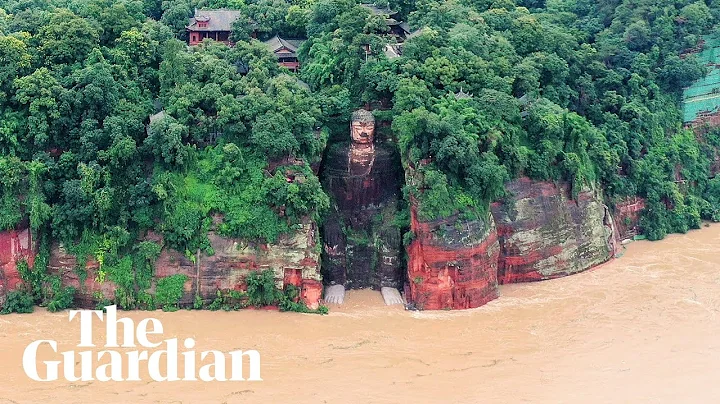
x=703 y=97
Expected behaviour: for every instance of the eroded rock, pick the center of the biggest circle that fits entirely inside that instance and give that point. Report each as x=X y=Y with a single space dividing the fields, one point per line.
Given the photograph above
x=627 y=216
x=15 y=246
x=294 y=260
x=544 y=233
x=452 y=263
x=85 y=278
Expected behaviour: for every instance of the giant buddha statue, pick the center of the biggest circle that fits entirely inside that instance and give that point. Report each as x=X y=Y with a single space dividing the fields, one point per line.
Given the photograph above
x=362 y=244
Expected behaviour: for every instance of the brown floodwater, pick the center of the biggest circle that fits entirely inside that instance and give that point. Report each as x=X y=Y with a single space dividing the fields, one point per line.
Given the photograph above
x=642 y=328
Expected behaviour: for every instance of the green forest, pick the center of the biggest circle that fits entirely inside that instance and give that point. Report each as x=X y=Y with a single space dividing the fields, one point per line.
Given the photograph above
x=581 y=91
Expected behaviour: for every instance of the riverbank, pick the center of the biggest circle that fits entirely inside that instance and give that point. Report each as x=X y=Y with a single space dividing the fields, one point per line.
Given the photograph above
x=640 y=328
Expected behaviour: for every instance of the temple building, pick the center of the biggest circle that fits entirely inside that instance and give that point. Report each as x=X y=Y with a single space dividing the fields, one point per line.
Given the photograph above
x=217 y=25
x=395 y=50
x=285 y=50
x=213 y=24
x=398 y=29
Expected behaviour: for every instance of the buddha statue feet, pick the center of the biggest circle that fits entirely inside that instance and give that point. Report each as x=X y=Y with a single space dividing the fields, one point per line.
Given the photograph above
x=391 y=296
x=334 y=294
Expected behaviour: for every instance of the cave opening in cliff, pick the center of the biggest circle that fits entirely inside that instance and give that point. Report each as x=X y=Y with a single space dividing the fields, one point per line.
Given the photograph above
x=362 y=232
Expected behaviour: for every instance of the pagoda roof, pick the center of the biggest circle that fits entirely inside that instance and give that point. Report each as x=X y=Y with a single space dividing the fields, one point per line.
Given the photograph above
x=276 y=43
x=462 y=95
x=217 y=20
x=379 y=11
x=415 y=33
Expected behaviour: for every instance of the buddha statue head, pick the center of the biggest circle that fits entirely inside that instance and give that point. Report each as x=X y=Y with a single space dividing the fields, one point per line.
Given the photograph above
x=362 y=127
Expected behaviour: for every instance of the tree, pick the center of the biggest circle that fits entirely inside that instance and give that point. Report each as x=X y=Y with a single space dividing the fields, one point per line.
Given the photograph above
x=15 y=59
x=67 y=39
x=166 y=141
x=696 y=17
x=40 y=92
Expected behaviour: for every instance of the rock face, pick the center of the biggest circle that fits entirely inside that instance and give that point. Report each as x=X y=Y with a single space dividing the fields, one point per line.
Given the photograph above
x=362 y=246
x=15 y=246
x=537 y=233
x=294 y=259
x=627 y=216
x=545 y=234
x=452 y=263
x=88 y=287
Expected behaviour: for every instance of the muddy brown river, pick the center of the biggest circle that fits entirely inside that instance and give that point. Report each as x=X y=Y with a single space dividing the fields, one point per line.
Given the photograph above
x=642 y=328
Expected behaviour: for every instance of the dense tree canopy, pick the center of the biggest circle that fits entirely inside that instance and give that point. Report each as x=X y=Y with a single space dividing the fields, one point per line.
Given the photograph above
x=82 y=162
x=485 y=91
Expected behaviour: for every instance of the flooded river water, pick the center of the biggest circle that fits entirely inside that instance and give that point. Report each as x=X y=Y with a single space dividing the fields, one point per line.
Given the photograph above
x=642 y=328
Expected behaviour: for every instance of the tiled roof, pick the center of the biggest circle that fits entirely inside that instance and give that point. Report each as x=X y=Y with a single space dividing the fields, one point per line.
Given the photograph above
x=276 y=43
x=217 y=20
x=379 y=11
x=158 y=116
x=415 y=33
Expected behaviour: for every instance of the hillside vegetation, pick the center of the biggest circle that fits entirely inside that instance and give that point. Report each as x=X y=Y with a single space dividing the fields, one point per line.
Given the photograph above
x=577 y=90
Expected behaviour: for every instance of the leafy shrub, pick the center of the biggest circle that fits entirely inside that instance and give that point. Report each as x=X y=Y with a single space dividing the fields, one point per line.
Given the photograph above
x=290 y=302
x=169 y=291
x=62 y=300
x=261 y=289
x=229 y=300
x=101 y=300
x=18 y=301
x=198 y=303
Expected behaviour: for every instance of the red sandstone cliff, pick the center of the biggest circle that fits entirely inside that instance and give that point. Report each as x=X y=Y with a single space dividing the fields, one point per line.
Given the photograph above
x=64 y=264
x=545 y=234
x=538 y=232
x=627 y=216
x=452 y=263
x=15 y=245
x=294 y=258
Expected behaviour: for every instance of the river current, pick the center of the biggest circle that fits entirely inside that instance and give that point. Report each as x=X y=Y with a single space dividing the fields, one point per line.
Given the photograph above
x=641 y=328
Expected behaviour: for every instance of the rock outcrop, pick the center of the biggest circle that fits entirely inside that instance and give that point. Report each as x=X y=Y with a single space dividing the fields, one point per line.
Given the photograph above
x=15 y=246
x=294 y=259
x=627 y=216
x=88 y=287
x=452 y=263
x=545 y=234
x=538 y=232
